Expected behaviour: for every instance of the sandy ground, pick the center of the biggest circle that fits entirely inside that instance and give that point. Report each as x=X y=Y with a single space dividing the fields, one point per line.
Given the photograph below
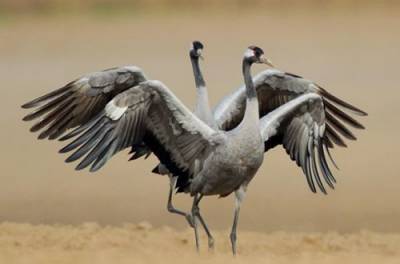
x=352 y=53
x=141 y=243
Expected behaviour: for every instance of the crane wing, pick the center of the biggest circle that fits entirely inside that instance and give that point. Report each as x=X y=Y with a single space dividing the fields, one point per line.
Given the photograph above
x=302 y=122
x=80 y=100
x=147 y=114
x=275 y=88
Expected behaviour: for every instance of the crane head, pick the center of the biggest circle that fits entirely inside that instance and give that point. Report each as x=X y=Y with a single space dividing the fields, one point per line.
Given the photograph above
x=255 y=54
x=196 y=49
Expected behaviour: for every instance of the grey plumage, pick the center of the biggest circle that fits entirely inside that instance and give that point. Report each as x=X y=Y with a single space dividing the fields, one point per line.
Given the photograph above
x=305 y=133
x=150 y=107
x=80 y=100
x=276 y=88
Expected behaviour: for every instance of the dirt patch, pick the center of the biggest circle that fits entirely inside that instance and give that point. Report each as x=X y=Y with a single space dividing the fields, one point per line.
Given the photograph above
x=141 y=243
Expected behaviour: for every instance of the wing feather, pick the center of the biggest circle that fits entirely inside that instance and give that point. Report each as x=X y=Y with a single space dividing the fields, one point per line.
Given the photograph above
x=88 y=95
x=51 y=116
x=334 y=136
x=275 y=88
x=57 y=121
x=146 y=114
x=303 y=122
x=340 y=102
x=311 y=150
x=48 y=96
x=342 y=115
x=342 y=129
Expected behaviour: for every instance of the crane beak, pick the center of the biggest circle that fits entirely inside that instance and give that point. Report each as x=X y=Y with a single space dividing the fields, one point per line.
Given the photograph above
x=266 y=61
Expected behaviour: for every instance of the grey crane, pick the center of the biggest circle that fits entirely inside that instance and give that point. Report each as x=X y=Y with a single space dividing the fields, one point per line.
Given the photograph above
x=203 y=112
x=275 y=88
x=208 y=161
x=80 y=100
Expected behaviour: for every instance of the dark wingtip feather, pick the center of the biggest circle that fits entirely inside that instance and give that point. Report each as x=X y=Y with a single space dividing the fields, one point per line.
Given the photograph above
x=37 y=101
x=82 y=150
x=342 y=115
x=56 y=134
x=328 y=142
x=53 y=106
x=94 y=169
x=70 y=159
x=26 y=106
x=342 y=129
x=97 y=121
x=31 y=104
x=329 y=178
x=80 y=166
x=42 y=135
x=27 y=118
x=74 y=144
x=71 y=134
x=97 y=151
x=331 y=158
x=58 y=125
x=332 y=135
x=339 y=101
x=312 y=163
x=104 y=156
x=308 y=173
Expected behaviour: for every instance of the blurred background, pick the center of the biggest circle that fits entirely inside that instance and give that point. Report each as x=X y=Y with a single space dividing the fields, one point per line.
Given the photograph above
x=349 y=47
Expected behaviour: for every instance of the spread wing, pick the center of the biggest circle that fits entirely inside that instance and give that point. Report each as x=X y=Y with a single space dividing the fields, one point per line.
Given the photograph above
x=275 y=88
x=148 y=114
x=80 y=100
x=302 y=121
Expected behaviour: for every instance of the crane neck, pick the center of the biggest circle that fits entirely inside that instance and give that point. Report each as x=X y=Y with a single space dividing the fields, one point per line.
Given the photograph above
x=202 y=108
x=251 y=115
x=198 y=76
x=248 y=80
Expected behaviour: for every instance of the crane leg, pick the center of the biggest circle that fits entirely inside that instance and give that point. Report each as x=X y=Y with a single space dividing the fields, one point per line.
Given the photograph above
x=196 y=215
x=239 y=196
x=170 y=206
x=196 y=199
